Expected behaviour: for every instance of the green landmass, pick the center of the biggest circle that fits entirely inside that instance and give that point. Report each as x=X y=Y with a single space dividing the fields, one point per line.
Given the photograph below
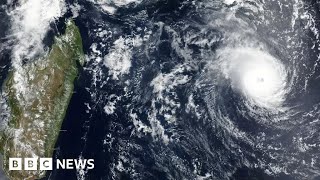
x=38 y=96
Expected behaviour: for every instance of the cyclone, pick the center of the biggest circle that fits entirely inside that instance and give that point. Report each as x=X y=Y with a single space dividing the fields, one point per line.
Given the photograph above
x=256 y=74
x=180 y=89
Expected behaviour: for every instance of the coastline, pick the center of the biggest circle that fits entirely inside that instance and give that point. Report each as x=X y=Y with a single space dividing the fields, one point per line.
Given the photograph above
x=37 y=115
x=2 y=172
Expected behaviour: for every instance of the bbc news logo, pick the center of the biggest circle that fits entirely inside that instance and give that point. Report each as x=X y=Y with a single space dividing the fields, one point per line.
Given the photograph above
x=46 y=164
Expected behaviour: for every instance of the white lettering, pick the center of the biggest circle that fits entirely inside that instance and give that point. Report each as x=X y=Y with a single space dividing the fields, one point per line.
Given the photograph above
x=45 y=164
x=69 y=163
x=61 y=164
x=90 y=164
x=80 y=164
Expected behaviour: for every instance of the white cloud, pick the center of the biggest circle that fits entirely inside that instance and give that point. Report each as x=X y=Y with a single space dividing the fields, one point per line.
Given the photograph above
x=30 y=21
x=111 y=6
x=119 y=59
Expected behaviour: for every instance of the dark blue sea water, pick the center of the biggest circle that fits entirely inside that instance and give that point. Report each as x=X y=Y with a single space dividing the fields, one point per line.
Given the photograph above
x=84 y=134
x=200 y=148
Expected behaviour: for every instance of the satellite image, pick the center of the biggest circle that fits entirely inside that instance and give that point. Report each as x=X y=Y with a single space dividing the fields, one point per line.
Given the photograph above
x=160 y=89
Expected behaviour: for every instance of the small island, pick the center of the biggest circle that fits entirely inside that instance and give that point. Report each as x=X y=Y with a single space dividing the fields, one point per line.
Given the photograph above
x=38 y=110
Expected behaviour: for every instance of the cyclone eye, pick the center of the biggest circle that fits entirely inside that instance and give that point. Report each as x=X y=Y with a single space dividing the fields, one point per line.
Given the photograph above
x=261 y=80
x=259 y=76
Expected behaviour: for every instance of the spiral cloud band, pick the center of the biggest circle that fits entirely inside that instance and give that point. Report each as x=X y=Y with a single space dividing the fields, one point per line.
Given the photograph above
x=260 y=77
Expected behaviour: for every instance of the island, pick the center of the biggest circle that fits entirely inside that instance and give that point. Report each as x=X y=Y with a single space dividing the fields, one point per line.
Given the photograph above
x=38 y=108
